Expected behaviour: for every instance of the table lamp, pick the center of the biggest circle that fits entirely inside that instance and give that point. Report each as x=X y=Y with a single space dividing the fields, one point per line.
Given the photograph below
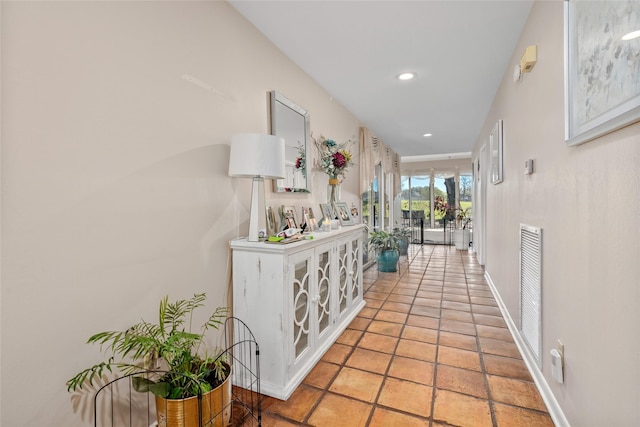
x=257 y=156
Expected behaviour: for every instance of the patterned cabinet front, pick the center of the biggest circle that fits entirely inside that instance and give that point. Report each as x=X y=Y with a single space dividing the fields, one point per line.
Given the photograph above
x=324 y=291
x=343 y=276
x=297 y=299
x=349 y=273
x=355 y=270
x=300 y=273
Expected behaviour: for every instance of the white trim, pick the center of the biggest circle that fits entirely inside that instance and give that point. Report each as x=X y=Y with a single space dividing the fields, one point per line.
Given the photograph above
x=555 y=411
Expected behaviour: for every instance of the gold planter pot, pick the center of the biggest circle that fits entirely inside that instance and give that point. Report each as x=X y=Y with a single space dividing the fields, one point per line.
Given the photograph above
x=215 y=409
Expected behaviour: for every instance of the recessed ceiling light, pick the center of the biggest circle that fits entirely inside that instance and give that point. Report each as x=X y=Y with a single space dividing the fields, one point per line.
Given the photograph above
x=632 y=35
x=427 y=135
x=406 y=76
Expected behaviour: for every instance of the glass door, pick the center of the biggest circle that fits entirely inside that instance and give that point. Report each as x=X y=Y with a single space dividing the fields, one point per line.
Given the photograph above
x=465 y=200
x=444 y=188
x=378 y=191
x=387 y=196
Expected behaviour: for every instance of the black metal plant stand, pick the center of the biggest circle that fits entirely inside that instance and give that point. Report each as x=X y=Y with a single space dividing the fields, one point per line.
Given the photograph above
x=117 y=404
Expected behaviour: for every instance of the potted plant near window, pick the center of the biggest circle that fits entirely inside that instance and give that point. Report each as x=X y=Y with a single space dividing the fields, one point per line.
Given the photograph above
x=386 y=246
x=462 y=234
x=402 y=234
x=187 y=371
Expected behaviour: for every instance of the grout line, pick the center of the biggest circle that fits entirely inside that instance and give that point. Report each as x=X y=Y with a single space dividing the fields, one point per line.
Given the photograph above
x=435 y=362
x=436 y=261
x=494 y=419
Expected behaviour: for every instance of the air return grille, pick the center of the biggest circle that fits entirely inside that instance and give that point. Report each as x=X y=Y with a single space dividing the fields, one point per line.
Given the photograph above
x=531 y=288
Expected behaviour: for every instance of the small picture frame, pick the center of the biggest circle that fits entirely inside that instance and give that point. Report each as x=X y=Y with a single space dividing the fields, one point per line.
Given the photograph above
x=289 y=216
x=272 y=225
x=344 y=213
x=327 y=211
x=304 y=218
x=496 y=141
x=354 y=211
x=312 y=223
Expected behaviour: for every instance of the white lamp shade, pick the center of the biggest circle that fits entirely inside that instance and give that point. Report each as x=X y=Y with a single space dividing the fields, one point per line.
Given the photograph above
x=256 y=154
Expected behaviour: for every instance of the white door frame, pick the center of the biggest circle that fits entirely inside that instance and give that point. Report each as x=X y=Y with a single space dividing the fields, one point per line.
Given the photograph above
x=479 y=203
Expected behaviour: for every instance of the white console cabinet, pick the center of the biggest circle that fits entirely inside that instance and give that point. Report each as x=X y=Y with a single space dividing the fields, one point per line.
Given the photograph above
x=297 y=299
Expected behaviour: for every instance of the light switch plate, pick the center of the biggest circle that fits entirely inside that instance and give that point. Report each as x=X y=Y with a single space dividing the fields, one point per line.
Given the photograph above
x=528 y=166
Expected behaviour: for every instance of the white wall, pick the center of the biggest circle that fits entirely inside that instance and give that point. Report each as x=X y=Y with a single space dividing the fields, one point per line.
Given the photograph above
x=587 y=202
x=114 y=174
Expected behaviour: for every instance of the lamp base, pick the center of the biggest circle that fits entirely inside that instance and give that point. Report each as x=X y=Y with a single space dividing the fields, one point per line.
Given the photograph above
x=258 y=217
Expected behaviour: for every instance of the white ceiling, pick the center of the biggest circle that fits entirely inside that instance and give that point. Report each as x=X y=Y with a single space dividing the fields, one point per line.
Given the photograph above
x=460 y=51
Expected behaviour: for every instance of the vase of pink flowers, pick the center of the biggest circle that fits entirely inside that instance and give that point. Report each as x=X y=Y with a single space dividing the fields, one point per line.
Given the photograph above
x=333 y=159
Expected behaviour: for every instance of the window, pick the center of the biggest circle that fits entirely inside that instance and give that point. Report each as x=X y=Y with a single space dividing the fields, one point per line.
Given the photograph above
x=415 y=202
x=418 y=193
x=466 y=191
x=444 y=186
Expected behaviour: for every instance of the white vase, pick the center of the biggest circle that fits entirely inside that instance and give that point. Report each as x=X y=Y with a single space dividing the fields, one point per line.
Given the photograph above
x=333 y=191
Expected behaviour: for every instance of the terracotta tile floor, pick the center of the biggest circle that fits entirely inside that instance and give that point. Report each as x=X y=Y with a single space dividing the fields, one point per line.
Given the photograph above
x=430 y=349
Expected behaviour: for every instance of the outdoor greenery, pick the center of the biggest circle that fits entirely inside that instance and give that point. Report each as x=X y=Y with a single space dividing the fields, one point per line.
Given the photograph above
x=420 y=198
x=423 y=205
x=466 y=186
x=190 y=369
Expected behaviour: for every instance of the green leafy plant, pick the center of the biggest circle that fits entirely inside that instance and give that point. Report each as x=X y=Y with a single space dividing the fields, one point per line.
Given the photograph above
x=464 y=216
x=442 y=207
x=450 y=212
x=188 y=368
x=382 y=241
x=402 y=233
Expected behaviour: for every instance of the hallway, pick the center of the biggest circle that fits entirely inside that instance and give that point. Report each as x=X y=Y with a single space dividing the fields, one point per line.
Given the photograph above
x=430 y=349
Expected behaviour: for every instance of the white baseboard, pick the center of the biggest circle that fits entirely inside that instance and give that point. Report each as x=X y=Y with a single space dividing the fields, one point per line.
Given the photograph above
x=555 y=411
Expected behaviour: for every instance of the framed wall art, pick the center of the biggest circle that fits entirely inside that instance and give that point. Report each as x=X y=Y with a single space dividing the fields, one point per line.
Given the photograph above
x=496 y=143
x=602 y=93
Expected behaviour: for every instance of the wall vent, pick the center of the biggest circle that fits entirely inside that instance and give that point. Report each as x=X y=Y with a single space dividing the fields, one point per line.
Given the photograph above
x=531 y=288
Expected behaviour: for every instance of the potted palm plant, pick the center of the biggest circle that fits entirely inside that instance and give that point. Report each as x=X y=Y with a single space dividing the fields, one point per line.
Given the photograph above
x=189 y=376
x=386 y=247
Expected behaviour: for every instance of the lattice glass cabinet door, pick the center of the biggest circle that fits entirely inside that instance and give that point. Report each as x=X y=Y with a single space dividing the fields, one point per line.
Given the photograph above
x=354 y=271
x=301 y=306
x=343 y=277
x=323 y=297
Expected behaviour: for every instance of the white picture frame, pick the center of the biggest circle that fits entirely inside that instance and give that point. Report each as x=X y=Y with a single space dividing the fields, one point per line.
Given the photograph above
x=312 y=223
x=343 y=212
x=327 y=211
x=496 y=143
x=272 y=225
x=601 y=90
x=288 y=214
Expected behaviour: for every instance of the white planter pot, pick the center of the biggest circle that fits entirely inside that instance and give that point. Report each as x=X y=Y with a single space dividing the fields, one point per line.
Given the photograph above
x=462 y=238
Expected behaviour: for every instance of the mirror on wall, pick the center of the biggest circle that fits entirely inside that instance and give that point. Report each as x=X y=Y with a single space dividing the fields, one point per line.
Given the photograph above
x=291 y=122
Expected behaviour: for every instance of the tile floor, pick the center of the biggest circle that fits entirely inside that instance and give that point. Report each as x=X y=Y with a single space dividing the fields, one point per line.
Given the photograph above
x=430 y=349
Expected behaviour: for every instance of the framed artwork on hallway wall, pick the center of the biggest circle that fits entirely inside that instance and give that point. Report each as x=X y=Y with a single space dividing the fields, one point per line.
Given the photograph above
x=602 y=47
x=496 y=143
